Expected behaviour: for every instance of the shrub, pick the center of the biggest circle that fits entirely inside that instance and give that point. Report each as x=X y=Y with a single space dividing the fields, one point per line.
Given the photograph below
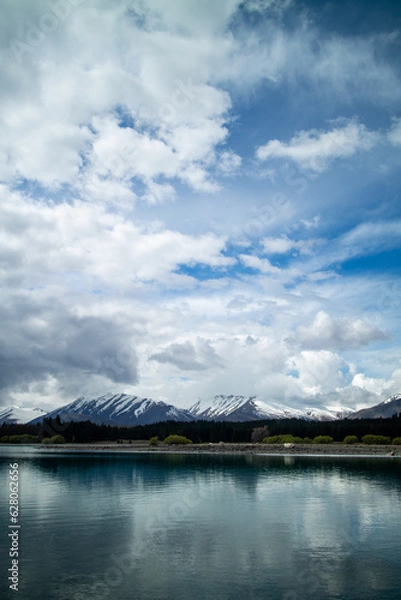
x=375 y=439
x=285 y=438
x=177 y=439
x=290 y=439
x=154 y=440
x=323 y=439
x=307 y=440
x=396 y=441
x=56 y=439
x=24 y=438
x=30 y=439
x=272 y=439
x=351 y=439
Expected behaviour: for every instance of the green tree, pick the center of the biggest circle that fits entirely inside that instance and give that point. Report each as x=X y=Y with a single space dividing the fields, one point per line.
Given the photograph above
x=351 y=439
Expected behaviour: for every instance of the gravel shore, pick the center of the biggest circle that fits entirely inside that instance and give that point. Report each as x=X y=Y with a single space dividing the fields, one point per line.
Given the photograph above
x=223 y=448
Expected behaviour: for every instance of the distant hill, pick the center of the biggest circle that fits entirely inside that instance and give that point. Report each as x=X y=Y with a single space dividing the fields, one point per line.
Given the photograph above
x=385 y=410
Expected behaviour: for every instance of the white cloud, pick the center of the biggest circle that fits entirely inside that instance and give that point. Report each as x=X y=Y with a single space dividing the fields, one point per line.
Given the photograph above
x=118 y=194
x=197 y=178
x=50 y=154
x=343 y=333
x=229 y=162
x=378 y=386
x=276 y=6
x=180 y=113
x=330 y=68
x=48 y=241
x=283 y=245
x=315 y=149
x=124 y=153
x=208 y=17
x=260 y=264
x=183 y=150
x=366 y=238
x=129 y=105
x=278 y=245
x=317 y=371
x=352 y=67
x=63 y=106
x=394 y=134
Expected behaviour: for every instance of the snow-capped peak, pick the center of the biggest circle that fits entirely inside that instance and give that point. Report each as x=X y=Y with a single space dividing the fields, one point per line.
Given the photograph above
x=20 y=414
x=127 y=410
x=392 y=399
x=119 y=409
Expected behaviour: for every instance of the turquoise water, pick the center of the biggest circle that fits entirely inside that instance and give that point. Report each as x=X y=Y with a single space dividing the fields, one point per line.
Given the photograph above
x=171 y=527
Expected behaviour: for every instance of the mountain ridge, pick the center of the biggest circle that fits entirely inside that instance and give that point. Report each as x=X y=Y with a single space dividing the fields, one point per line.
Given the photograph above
x=118 y=409
x=384 y=410
x=127 y=410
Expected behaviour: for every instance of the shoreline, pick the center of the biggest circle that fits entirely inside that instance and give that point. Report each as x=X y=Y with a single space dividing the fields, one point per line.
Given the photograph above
x=336 y=449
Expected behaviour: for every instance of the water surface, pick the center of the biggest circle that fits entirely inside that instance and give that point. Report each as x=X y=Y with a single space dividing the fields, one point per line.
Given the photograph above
x=133 y=526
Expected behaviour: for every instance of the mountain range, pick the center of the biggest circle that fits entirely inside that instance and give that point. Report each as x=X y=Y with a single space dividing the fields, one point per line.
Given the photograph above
x=240 y=408
x=126 y=410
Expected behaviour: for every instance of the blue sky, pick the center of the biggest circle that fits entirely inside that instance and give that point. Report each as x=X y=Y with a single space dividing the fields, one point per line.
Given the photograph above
x=200 y=198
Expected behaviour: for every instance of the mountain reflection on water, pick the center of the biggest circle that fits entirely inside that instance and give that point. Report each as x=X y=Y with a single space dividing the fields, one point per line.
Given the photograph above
x=149 y=526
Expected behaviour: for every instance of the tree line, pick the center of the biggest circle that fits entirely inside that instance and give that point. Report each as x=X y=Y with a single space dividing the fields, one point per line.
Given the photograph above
x=206 y=431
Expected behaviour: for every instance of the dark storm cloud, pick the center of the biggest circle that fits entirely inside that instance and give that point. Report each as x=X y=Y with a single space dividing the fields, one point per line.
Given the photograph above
x=41 y=340
x=188 y=357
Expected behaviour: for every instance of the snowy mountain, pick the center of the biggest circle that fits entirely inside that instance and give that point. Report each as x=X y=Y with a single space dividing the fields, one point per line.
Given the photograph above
x=240 y=408
x=19 y=414
x=125 y=410
x=327 y=414
x=385 y=410
x=236 y=408
x=118 y=409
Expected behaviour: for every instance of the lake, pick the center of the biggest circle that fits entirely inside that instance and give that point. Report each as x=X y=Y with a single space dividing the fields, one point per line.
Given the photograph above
x=150 y=526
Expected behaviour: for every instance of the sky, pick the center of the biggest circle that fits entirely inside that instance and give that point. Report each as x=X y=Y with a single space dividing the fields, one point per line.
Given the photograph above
x=200 y=198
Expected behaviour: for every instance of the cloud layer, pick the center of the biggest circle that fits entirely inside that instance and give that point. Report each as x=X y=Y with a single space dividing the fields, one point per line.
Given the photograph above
x=199 y=198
